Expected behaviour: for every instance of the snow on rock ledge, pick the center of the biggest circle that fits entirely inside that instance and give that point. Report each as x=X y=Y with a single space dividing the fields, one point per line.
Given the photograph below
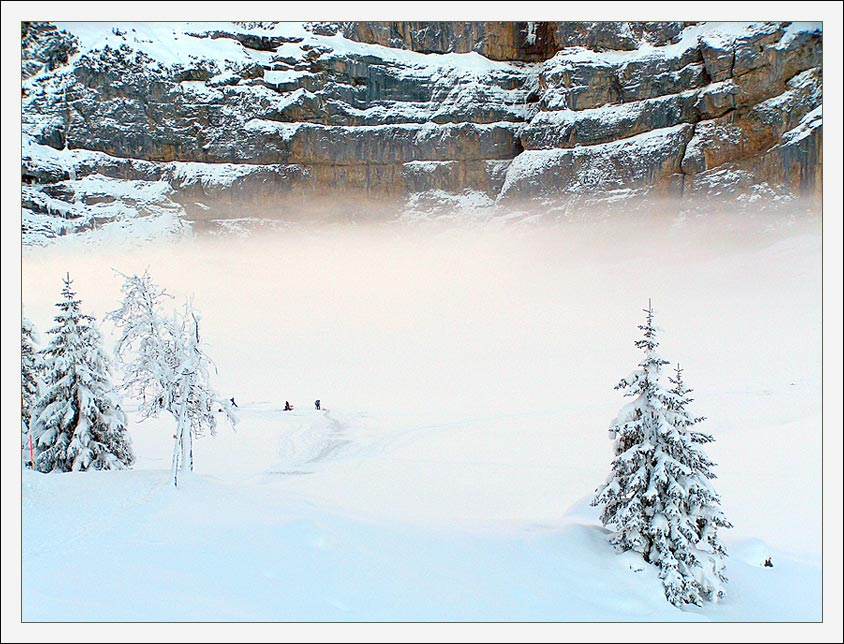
x=649 y=159
x=294 y=111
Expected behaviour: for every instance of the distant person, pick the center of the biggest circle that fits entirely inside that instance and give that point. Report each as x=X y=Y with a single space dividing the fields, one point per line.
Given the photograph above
x=234 y=404
x=316 y=404
x=287 y=406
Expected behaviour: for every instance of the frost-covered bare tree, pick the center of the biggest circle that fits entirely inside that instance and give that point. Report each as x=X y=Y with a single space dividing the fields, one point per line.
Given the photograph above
x=165 y=365
x=77 y=422
x=658 y=496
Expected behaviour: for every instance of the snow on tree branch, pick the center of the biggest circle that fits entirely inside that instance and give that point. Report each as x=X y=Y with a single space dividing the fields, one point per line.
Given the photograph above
x=165 y=365
x=658 y=496
x=77 y=422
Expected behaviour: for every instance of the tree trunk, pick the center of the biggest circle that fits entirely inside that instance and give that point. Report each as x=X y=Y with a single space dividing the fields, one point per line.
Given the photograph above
x=180 y=448
x=176 y=451
x=186 y=434
x=190 y=450
x=187 y=449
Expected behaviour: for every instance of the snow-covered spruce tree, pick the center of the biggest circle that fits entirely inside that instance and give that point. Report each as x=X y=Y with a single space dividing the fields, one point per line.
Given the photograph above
x=30 y=381
x=658 y=497
x=165 y=366
x=77 y=422
x=702 y=503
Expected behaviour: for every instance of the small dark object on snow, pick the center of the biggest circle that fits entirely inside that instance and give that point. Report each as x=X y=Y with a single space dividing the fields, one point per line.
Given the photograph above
x=316 y=404
x=768 y=563
x=287 y=406
x=234 y=404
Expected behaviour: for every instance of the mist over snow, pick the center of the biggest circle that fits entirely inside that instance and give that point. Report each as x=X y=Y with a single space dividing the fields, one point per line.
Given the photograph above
x=466 y=376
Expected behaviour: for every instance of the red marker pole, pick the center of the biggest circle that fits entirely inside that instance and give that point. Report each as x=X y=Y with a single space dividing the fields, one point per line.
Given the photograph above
x=31 y=453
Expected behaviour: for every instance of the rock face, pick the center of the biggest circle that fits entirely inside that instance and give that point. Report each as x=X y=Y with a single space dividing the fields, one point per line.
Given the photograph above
x=263 y=119
x=522 y=41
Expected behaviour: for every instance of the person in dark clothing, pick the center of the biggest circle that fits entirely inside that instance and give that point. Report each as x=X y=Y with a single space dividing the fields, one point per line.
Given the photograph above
x=234 y=404
x=316 y=404
x=287 y=406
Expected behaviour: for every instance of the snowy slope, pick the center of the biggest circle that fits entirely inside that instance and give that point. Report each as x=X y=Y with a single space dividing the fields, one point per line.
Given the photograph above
x=218 y=551
x=467 y=376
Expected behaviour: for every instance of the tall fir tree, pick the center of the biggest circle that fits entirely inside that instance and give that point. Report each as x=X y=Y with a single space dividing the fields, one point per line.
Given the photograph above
x=658 y=497
x=77 y=422
x=30 y=381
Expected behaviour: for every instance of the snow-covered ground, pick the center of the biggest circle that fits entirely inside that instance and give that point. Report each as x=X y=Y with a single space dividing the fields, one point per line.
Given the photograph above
x=466 y=377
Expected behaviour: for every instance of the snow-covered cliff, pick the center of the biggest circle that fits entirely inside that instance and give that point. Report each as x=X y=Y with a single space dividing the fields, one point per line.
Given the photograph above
x=229 y=120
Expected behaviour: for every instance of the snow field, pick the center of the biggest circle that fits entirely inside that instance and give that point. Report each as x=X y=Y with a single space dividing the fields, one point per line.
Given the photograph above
x=468 y=379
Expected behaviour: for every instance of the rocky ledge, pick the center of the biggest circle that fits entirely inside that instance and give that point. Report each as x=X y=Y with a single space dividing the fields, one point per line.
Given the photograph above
x=205 y=121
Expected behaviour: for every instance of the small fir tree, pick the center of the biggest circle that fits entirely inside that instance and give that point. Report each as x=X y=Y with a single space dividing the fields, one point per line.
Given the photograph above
x=702 y=503
x=658 y=497
x=77 y=422
x=30 y=381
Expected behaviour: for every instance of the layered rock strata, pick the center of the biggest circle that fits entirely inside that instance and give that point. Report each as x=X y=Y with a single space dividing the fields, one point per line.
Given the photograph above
x=234 y=120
